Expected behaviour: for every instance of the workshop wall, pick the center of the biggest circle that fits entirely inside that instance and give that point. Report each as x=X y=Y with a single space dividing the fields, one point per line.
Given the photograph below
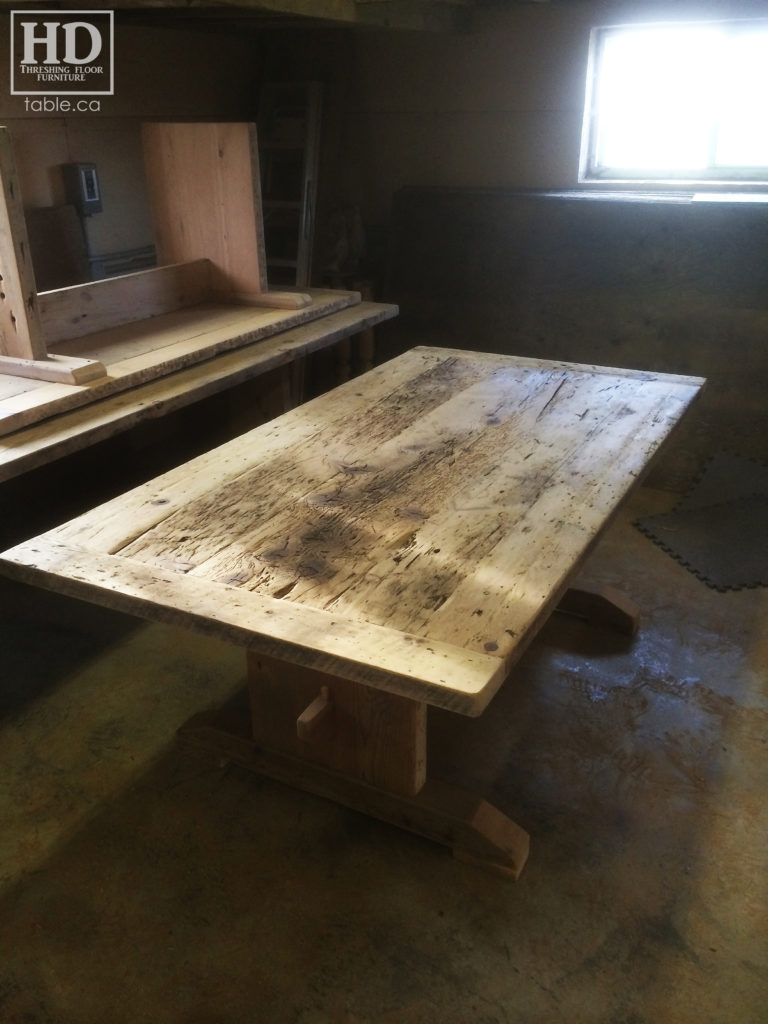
x=161 y=74
x=483 y=115
x=670 y=286
x=449 y=139
x=500 y=105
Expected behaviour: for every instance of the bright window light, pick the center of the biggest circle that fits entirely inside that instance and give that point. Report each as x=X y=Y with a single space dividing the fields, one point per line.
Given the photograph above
x=677 y=102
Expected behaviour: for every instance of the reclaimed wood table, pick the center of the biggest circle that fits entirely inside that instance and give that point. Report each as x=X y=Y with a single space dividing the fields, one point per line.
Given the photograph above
x=393 y=544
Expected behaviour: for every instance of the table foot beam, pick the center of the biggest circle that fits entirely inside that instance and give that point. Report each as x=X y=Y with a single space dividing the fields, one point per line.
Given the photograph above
x=602 y=606
x=475 y=830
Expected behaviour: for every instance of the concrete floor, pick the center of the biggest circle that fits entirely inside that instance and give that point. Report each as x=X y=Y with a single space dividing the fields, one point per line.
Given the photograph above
x=144 y=883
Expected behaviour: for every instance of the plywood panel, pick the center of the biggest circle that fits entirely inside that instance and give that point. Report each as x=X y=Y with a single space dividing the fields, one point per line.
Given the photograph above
x=205 y=196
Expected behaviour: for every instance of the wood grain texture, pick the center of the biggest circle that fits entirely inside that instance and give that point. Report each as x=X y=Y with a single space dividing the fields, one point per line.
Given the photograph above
x=205 y=196
x=41 y=443
x=59 y=369
x=376 y=656
x=278 y=300
x=377 y=737
x=445 y=498
x=21 y=332
x=83 y=309
x=136 y=353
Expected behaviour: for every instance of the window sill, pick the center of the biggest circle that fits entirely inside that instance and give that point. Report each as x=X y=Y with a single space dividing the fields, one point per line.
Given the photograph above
x=638 y=196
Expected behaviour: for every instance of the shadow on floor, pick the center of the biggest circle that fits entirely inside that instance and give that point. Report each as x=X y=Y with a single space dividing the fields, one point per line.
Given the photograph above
x=143 y=881
x=44 y=637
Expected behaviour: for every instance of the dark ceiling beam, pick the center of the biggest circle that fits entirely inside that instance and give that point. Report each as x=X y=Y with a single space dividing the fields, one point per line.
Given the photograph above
x=420 y=15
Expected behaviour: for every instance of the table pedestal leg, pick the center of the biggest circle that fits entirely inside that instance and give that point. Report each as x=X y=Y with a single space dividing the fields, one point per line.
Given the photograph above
x=602 y=606
x=365 y=749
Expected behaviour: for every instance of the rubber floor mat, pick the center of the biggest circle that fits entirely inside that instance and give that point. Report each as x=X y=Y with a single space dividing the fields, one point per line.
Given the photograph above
x=719 y=531
x=726 y=477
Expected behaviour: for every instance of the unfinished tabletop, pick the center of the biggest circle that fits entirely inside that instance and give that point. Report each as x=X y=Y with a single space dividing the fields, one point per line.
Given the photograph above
x=409 y=530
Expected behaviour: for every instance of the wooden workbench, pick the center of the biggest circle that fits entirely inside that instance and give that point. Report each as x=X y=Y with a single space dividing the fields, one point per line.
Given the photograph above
x=197 y=352
x=394 y=543
x=81 y=363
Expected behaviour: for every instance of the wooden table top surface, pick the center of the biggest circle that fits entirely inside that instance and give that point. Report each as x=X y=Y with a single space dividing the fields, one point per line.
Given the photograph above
x=410 y=530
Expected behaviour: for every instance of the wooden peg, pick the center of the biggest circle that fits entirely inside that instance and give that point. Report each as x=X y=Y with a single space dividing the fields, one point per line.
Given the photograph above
x=309 y=721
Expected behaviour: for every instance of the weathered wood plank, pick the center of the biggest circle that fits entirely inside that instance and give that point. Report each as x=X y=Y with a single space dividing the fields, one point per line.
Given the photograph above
x=445 y=496
x=60 y=369
x=21 y=333
x=119 y=522
x=379 y=738
x=302 y=507
x=83 y=309
x=374 y=539
x=440 y=674
x=277 y=300
x=37 y=445
x=143 y=351
x=523 y=521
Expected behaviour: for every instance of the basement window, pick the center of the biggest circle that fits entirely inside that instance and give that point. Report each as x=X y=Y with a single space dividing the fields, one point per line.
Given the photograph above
x=670 y=103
